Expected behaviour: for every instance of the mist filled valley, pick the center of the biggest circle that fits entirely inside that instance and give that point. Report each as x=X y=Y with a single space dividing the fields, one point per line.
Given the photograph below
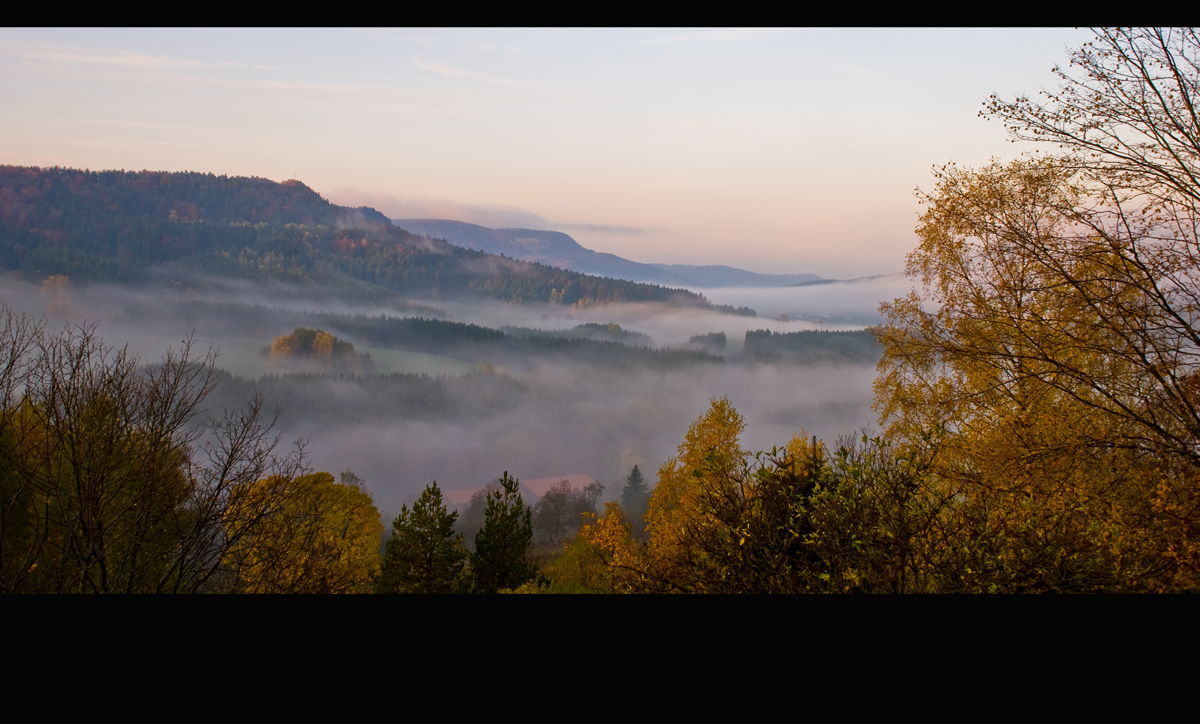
x=462 y=391
x=599 y=311
x=283 y=340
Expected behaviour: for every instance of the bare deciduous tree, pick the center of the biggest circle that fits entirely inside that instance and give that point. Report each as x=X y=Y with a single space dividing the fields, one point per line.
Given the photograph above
x=107 y=481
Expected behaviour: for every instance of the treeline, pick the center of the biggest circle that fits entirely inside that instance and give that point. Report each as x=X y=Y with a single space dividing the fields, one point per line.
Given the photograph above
x=591 y=330
x=739 y=311
x=481 y=344
x=460 y=340
x=57 y=201
x=812 y=347
x=333 y=399
x=556 y=515
x=498 y=544
x=867 y=516
x=112 y=226
x=714 y=342
x=426 y=555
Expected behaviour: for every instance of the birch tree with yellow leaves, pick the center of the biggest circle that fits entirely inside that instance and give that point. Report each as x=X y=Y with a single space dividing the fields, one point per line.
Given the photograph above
x=1055 y=337
x=797 y=519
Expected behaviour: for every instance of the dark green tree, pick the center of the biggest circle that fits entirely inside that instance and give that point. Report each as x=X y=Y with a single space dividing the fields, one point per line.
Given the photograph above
x=635 y=497
x=500 y=546
x=424 y=555
x=470 y=518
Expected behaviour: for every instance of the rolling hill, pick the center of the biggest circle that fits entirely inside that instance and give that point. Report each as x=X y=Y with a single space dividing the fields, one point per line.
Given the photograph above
x=554 y=248
x=127 y=227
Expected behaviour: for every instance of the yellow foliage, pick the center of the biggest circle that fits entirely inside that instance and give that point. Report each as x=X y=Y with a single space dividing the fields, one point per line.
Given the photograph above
x=1046 y=360
x=680 y=509
x=322 y=538
x=323 y=345
x=681 y=514
x=284 y=348
x=603 y=555
x=57 y=283
x=57 y=289
x=717 y=520
x=317 y=349
x=583 y=566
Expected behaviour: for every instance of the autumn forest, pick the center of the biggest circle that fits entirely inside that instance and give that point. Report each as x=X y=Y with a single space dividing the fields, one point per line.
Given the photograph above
x=181 y=353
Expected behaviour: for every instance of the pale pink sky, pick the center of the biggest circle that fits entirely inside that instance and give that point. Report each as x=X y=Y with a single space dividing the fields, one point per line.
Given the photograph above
x=772 y=150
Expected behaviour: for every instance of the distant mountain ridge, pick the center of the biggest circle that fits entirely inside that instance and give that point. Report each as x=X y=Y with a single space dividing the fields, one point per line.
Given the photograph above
x=554 y=248
x=118 y=226
x=726 y=276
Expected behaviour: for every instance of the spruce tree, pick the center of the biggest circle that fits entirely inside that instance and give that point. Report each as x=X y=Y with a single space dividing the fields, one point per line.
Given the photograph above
x=635 y=497
x=425 y=555
x=500 y=546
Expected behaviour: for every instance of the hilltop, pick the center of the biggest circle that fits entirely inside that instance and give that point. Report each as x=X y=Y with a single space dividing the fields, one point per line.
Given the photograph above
x=554 y=248
x=128 y=226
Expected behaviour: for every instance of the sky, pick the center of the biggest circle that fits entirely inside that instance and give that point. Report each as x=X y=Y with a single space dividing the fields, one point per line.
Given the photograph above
x=774 y=150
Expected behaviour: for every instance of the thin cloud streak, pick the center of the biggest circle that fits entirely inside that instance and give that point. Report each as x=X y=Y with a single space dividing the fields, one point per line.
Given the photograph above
x=452 y=72
x=419 y=39
x=494 y=217
x=395 y=207
x=735 y=35
x=396 y=99
x=257 y=152
x=609 y=228
x=495 y=45
x=122 y=58
x=127 y=142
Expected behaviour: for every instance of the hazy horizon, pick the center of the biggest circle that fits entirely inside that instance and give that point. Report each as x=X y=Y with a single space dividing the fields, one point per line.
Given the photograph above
x=566 y=419
x=775 y=151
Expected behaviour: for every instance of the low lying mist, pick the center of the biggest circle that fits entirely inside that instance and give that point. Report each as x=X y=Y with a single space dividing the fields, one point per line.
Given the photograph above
x=462 y=417
x=838 y=304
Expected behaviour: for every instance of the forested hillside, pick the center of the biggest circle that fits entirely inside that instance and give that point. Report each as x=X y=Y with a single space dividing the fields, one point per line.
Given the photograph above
x=517 y=347
x=811 y=347
x=115 y=226
x=1037 y=390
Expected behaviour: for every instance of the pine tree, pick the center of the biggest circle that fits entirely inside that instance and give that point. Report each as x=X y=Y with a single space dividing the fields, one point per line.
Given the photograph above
x=500 y=546
x=424 y=554
x=634 y=499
